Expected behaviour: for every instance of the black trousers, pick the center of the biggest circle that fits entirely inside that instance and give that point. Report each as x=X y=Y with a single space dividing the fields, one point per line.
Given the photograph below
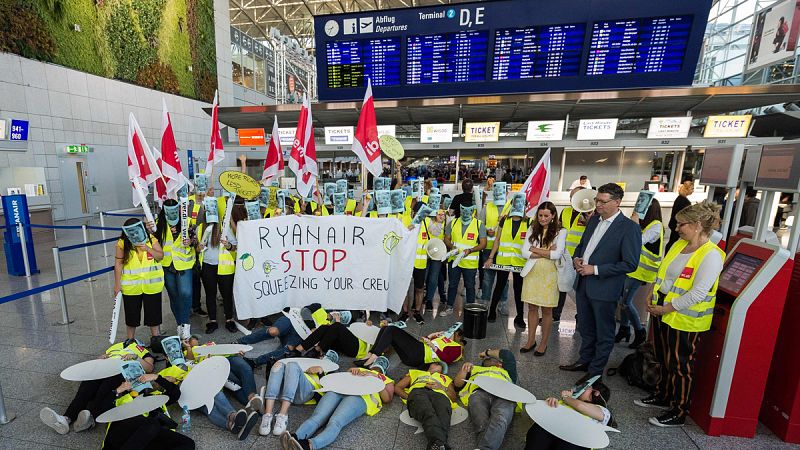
x=211 y=282
x=432 y=410
x=333 y=337
x=196 y=286
x=675 y=350
x=145 y=433
x=94 y=396
x=500 y=282
x=562 y=299
x=410 y=349
x=540 y=439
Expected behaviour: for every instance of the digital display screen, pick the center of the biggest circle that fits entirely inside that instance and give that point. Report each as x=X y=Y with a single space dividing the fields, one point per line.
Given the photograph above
x=738 y=272
x=350 y=62
x=716 y=166
x=536 y=52
x=446 y=58
x=779 y=168
x=638 y=45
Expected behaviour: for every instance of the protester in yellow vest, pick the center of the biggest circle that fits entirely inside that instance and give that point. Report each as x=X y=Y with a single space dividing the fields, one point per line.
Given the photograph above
x=335 y=336
x=139 y=276
x=292 y=385
x=684 y=295
x=335 y=411
x=149 y=429
x=490 y=415
x=89 y=402
x=575 y=224
x=218 y=260
x=178 y=262
x=649 y=262
x=420 y=269
x=426 y=390
x=468 y=235
x=417 y=352
x=491 y=220
x=436 y=269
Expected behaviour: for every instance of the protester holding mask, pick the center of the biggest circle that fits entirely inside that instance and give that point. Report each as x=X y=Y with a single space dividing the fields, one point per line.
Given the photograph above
x=178 y=261
x=468 y=235
x=218 y=260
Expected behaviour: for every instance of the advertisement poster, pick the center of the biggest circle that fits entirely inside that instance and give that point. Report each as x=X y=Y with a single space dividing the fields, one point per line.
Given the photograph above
x=774 y=35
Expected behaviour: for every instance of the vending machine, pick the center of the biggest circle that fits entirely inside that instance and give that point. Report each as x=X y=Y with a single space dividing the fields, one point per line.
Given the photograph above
x=721 y=167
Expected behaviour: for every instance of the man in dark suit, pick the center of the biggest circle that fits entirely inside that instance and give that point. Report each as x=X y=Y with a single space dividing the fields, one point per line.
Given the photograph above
x=608 y=251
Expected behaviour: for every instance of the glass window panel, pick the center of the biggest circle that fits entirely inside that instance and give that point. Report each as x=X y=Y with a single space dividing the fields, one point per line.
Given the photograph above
x=236 y=64
x=260 y=75
x=248 y=66
x=601 y=166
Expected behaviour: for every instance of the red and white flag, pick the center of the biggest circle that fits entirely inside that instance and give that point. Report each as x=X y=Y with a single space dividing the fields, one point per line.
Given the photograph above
x=537 y=186
x=216 y=153
x=169 y=163
x=365 y=142
x=273 y=165
x=303 y=158
x=161 y=193
x=142 y=166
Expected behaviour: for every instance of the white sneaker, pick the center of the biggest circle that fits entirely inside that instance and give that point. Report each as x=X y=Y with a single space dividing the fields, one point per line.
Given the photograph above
x=255 y=404
x=231 y=386
x=281 y=422
x=54 y=420
x=84 y=421
x=266 y=425
x=446 y=312
x=187 y=333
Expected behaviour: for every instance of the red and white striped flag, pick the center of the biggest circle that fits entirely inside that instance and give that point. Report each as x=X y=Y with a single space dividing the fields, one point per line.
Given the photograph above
x=142 y=166
x=273 y=165
x=161 y=193
x=216 y=153
x=170 y=164
x=537 y=186
x=365 y=142
x=303 y=158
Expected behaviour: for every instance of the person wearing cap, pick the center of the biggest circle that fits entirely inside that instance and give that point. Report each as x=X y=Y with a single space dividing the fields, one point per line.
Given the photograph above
x=490 y=415
x=178 y=262
x=468 y=235
x=139 y=276
x=591 y=400
x=439 y=346
x=90 y=400
x=431 y=398
x=335 y=411
x=218 y=260
x=292 y=385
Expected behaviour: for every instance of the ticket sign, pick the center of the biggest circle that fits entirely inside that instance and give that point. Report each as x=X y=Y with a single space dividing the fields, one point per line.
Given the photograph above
x=545 y=130
x=252 y=137
x=387 y=130
x=338 y=135
x=727 y=126
x=432 y=133
x=597 y=129
x=286 y=136
x=669 y=127
x=482 y=132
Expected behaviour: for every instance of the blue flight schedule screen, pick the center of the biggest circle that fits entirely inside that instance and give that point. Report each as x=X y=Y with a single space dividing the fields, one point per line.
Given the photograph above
x=446 y=58
x=538 y=52
x=651 y=45
x=351 y=62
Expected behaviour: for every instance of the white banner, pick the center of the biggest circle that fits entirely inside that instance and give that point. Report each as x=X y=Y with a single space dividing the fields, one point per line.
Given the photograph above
x=338 y=135
x=387 y=130
x=597 y=129
x=432 y=133
x=669 y=127
x=286 y=136
x=545 y=130
x=339 y=261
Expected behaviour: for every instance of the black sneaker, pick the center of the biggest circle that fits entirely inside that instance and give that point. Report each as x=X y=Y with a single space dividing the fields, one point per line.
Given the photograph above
x=403 y=316
x=520 y=323
x=669 y=419
x=652 y=402
x=312 y=353
x=239 y=421
x=230 y=326
x=200 y=312
x=211 y=327
x=252 y=420
x=418 y=318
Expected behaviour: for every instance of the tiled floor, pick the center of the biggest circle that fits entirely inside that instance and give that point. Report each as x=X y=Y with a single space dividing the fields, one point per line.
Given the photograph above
x=33 y=351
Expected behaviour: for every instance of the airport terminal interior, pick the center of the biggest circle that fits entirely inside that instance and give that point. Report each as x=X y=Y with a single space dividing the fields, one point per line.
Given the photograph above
x=361 y=175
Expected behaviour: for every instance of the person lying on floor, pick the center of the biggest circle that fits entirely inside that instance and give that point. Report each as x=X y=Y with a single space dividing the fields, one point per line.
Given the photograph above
x=335 y=336
x=90 y=399
x=431 y=399
x=490 y=414
x=335 y=411
x=417 y=352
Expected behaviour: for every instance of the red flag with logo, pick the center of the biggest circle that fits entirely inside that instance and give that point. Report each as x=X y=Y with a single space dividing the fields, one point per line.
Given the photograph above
x=365 y=142
x=537 y=186
x=161 y=190
x=273 y=165
x=303 y=158
x=216 y=153
x=170 y=163
x=142 y=165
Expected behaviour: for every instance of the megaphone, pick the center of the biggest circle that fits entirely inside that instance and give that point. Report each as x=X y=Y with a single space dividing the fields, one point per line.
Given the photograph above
x=436 y=250
x=583 y=200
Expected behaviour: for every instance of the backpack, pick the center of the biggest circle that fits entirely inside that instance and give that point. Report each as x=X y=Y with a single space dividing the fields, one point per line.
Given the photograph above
x=640 y=368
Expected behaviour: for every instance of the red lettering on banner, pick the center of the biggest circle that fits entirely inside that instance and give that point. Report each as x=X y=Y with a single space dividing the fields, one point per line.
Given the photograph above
x=324 y=260
x=302 y=259
x=318 y=260
x=341 y=253
x=286 y=260
x=687 y=273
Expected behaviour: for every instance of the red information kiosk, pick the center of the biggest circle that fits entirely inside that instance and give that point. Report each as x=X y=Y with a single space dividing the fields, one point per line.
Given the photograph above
x=733 y=358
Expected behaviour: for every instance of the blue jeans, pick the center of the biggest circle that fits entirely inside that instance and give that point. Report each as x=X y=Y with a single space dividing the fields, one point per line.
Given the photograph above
x=296 y=387
x=488 y=281
x=286 y=335
x=469 y=284
x=434 y=280
x=242 y=374
x=179 y=288
x=629 y=313
x=220 y=412
x=335 y=409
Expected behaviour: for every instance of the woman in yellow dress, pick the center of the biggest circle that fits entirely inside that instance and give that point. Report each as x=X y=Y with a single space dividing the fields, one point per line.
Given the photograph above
x=545 y=246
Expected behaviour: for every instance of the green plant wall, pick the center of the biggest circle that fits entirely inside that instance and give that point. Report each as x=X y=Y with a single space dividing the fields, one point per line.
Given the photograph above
x=166 y=45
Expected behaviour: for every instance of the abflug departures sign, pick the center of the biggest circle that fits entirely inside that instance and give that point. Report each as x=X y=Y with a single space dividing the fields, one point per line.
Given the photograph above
x=509 y=46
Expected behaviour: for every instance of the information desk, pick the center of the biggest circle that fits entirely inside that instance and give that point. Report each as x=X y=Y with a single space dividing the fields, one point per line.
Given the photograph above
x=733 y=357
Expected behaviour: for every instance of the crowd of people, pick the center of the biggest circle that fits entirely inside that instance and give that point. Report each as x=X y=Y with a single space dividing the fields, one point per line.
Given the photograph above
x=600 y=257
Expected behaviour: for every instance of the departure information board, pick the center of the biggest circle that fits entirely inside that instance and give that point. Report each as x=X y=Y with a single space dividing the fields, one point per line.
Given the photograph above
x=509 y=46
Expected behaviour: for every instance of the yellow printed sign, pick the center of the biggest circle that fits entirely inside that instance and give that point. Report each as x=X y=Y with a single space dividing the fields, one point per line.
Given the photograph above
x=240 y=184
x=392 y=148
x=482 y=132
x=727 y=126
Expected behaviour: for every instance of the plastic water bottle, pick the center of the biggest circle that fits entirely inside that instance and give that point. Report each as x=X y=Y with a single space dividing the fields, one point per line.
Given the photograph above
x=186 y=420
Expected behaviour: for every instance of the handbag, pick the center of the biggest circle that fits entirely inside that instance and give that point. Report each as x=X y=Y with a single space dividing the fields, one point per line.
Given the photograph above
x=566 y=272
